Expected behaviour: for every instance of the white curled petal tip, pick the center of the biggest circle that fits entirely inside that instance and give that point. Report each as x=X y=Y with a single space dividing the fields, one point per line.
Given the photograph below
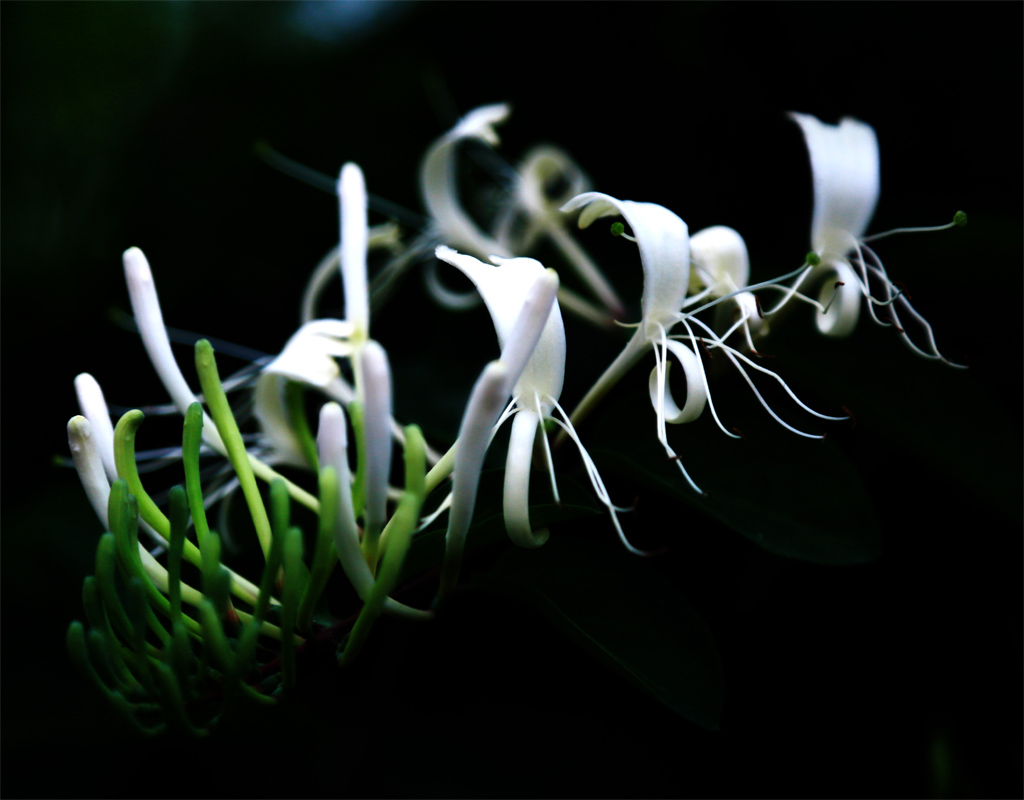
x=720 y=252
x=480 y=122
x=664 y=242
x=376 y=401
x=94 y=407
x=696 y=393
x=439 y=186
x=842 y=301
x=354 y=235
x=845 y=169
x=543 y=166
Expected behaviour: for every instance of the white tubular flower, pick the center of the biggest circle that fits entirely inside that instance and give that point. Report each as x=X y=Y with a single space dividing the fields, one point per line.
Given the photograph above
x=94 y=408
x=665 y=255
x=721 y=266
x=332 y=442
x=439 y=185
x=146 y=306
x=520 y=295
x=845 y=170
x=375 y=397
x=354 y=235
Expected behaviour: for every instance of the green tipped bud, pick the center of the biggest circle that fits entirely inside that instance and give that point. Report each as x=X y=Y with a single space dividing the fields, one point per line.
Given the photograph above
x=618 y=229
x=959 y=219
x=813 y=259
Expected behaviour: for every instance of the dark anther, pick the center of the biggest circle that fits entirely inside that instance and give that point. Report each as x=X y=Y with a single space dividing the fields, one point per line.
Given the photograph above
x=761 y=355
x=757 y=302
x=838 y=284
x=739 y=433
x=853 y=419
x=902 y=288
x=704 y=347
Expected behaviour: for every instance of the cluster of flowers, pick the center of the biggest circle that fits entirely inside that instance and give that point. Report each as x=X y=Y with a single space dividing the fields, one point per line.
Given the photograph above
x=148 y=665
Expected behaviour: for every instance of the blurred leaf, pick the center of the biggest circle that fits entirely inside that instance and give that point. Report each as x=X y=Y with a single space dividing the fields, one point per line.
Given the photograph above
x=624 y=613
x=488 y=519
x=796 y=497
x=946 y=418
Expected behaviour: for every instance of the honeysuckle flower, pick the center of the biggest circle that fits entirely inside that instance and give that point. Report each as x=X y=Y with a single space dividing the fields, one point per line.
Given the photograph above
x=310 y=356
x=515 y=293
x=845 y=170
x=664 y=244
x=453 y=227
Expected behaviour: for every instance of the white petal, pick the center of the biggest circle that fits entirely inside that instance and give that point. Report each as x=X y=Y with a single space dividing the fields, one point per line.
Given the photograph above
x=721 y=253
x=376 y=401
x=94 y=408
x=439 y=185
x=505 y=289
x=271 y=410
x=842 y=315
x=844 y=165
x=696 y=394
x=354 y=232
x=309 y=356
x=146 y=306
x=517 y=481
x=664 y=243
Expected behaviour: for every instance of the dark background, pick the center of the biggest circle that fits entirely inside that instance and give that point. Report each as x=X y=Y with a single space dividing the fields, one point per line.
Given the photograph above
x=133 y=124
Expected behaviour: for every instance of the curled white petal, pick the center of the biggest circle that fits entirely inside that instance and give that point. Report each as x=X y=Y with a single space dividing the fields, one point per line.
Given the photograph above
x=720 y=254
x=516 y=502
x=375 y=395
x=438 y=182
x=844 y=165
x=664 y=243
x=146 y=307
x=506 y=290
x=309 y=356
x=94 y=407
x=841 y=317
x=332 y=442
x=696 y=393
x=354 y=233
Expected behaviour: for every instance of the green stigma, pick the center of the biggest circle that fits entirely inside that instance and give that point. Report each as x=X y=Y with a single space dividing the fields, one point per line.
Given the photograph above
x=813 y=259
x=618 y=229
x=959 y=219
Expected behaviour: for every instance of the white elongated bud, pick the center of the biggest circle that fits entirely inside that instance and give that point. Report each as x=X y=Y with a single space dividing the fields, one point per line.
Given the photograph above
x=332 y=443
x=375 y=394
x=352 y=197
x=94 y=407
x=146 y=307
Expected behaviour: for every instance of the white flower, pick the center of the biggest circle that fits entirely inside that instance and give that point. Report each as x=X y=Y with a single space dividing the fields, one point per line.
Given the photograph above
x=664 y=244
x=518 y=293
x=845 y=169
